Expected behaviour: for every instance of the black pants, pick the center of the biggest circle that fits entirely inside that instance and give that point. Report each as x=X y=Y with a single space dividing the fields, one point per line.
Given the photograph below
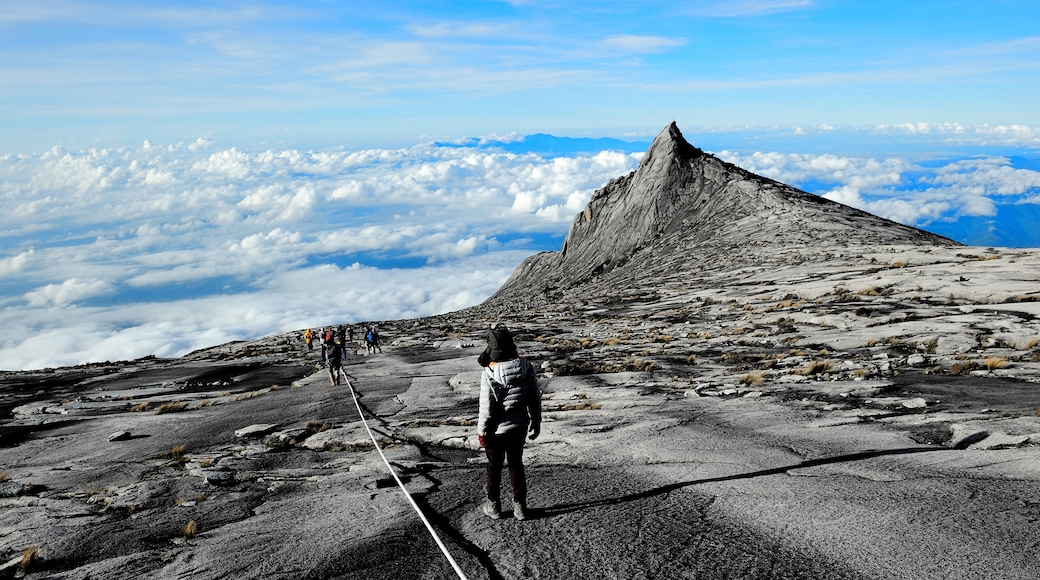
x=506 y=448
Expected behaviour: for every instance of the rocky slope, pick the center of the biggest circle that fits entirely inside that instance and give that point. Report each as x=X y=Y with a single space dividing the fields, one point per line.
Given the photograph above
x=683 y=209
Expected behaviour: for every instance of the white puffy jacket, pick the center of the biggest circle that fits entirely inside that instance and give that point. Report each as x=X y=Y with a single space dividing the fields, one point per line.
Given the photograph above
x=509 y=398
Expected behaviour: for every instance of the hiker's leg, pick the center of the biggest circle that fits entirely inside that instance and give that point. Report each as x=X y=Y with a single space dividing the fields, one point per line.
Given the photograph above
x=496 y=457
x=517 y=475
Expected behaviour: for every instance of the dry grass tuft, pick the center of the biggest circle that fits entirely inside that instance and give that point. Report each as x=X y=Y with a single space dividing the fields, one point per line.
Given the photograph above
x=900 y=264
x=3 y=476
x=171 y=407
x=995 y=362
x=817 y=367
x=1025 y=298
x=30 y=556
x=190 y=530
x=643 y=365
x=177 y=453
x=963 y=368
x=206 y=462
x=583 y=406
x=612 y=341
x=1032 y=344
x=753 y=379
x=932 y=345
x=140 y=407
x=317 y=427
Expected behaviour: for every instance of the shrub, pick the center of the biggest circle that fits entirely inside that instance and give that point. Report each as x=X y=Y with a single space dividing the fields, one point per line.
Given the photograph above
x=190 y=530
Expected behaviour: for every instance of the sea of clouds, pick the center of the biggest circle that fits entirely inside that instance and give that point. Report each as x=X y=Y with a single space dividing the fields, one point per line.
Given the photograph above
x=119 y=253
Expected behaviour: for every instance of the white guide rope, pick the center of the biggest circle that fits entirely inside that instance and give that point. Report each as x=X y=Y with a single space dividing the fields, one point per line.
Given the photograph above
x=415 y=506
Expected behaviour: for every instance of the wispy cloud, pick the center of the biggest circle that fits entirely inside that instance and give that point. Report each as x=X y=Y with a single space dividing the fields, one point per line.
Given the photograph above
x=739 y=8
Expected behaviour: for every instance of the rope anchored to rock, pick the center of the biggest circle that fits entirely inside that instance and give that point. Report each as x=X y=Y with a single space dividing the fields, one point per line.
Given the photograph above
x=411 y=501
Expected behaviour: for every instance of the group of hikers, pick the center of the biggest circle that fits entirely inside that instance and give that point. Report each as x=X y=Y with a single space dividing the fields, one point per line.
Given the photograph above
x=510 y=406
x=333 y=345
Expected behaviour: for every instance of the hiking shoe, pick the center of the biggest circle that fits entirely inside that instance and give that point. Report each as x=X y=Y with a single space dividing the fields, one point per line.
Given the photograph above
x=493 y=509
x=518 y=510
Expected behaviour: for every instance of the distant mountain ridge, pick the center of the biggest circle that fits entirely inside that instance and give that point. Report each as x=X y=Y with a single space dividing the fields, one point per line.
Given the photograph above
x=682 y=206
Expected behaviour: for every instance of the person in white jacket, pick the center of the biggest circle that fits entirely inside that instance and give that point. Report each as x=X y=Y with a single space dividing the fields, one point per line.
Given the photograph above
x=510 y=408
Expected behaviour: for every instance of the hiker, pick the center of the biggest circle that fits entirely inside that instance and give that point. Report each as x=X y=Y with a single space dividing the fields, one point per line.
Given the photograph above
x=308 y=337
x=510 y=407
x=334 y=360
x=350 y=333
x=370 y=340
x=342 y=333
x=375 y=340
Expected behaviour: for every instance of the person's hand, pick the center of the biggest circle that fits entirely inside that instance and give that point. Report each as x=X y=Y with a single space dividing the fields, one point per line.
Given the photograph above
x=480 y=439
x=534 y=431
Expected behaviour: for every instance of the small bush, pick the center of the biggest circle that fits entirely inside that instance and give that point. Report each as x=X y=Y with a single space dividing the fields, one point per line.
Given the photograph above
x=963 y=368
x=190 y=530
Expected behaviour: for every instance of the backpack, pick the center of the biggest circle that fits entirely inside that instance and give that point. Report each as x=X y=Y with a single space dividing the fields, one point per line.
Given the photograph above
x=370 y=337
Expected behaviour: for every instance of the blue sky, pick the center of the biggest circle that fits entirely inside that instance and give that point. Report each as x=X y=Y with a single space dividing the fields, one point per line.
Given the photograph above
x=176 y=175
x=361 y=74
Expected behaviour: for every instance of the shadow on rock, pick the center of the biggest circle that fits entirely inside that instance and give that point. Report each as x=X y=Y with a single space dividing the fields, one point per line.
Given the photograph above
x=562 y=509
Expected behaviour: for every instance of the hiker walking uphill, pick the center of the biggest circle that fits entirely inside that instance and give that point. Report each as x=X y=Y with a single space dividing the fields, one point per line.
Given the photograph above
x=510 y=408
x=334 y=360
x=372 y=341
x=308 y=337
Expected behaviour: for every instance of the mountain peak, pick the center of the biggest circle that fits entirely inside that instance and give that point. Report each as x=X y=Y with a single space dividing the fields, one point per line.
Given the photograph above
x=669 y=147
x=683 y=207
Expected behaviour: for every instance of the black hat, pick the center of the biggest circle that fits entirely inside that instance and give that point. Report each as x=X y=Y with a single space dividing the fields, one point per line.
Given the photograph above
x=500 y=344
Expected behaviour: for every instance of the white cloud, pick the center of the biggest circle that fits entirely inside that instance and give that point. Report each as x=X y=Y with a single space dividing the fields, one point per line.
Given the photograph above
x=15 y=264
x=737 y=8
x=166 y=220
x=69 y=291
x=641 y=44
